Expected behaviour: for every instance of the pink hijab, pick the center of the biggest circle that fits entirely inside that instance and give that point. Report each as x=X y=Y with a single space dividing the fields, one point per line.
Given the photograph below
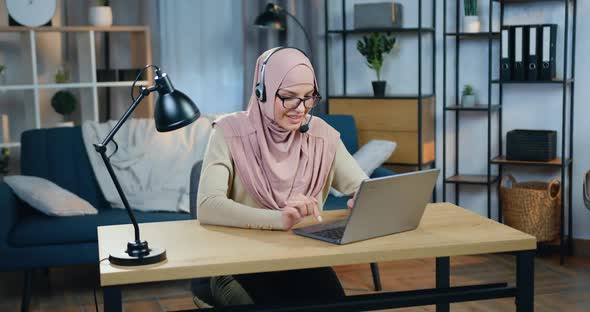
x=275 y=164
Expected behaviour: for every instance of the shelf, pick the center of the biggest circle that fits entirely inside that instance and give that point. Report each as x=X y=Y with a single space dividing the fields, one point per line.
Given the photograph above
x=17 y=87
x=471 y=179
x=122 y=83
x=477 y=107
x=479 y=35
x=501 y=160
x=384 y=29
x=554 y=81
x=10 y=144
x=75 y=29
x=370 y=97
x=72 y=85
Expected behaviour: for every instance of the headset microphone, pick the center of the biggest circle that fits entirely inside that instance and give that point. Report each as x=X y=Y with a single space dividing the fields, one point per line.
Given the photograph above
x=305 y=127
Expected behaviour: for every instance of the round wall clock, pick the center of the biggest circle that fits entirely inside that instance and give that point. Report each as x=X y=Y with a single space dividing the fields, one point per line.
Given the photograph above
x=32 y=13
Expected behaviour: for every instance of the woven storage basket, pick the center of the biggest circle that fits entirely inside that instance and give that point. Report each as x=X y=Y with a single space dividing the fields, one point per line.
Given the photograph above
x=532 y=207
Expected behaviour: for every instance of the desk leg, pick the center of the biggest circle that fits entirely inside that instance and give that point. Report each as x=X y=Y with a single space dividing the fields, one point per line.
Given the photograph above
x=443 y=276
x=112 y=299
x=525 y=281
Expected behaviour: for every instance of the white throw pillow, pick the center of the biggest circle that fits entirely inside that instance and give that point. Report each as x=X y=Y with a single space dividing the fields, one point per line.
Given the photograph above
x=370 y=157
x=48 y=197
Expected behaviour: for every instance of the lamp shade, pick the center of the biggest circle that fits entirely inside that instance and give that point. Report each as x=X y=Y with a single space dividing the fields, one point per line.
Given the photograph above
x=270 y=18
x=174 y=109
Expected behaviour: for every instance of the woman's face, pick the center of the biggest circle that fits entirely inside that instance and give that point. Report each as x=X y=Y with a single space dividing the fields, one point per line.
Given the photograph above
x=291 y=119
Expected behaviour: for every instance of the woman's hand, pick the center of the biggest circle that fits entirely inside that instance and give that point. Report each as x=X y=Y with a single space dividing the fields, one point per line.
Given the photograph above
x=307 y=206
x=350 y=202
x=290 y=217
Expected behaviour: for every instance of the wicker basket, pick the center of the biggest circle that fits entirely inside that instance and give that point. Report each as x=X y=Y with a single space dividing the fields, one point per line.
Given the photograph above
x=532 y=207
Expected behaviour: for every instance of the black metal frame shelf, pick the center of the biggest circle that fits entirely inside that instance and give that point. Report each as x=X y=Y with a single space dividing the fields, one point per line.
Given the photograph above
x=457 y=36
x=424 y=30
x=567 y=84
x=418 y=31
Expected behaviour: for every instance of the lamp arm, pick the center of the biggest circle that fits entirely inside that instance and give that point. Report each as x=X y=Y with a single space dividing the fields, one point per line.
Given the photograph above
x=302 y=28
x=143 y=93
x=102 y=148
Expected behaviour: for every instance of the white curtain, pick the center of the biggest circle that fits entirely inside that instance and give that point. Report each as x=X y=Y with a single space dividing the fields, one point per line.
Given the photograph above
x=201 y=50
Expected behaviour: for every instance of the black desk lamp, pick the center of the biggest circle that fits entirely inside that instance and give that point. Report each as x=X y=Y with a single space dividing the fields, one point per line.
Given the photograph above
x=173 y=110
x=273 y=17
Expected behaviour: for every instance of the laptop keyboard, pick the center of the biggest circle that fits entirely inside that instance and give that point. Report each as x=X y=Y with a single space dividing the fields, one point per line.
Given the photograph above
x=331 y=233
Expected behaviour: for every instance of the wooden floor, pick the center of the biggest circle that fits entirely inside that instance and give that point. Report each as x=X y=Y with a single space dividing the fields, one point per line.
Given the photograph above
x=557 y=288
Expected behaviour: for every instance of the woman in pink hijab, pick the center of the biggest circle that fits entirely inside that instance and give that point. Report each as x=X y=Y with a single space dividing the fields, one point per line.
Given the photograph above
x=263 y=170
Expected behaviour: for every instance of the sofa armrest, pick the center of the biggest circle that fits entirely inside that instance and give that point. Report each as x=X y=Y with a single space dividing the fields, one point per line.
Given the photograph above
x=9 y=207
x=194 y=187
x=382 y=172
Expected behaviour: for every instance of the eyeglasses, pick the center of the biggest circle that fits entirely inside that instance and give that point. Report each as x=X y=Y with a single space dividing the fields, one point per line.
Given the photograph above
x=292 y=102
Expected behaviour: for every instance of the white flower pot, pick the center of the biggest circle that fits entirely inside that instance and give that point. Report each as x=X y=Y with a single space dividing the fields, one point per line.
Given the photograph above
x=471 y=24
x=100 y=16
x=64 y=124
x=468 y=100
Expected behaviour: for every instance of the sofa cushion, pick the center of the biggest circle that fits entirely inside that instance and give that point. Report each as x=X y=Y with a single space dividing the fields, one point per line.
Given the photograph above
x=39 y=229
x=47 y=197
x=58 y=155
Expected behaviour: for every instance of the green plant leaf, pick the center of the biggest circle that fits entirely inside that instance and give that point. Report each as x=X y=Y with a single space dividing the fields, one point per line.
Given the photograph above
x=468 y=90
x=373 y=47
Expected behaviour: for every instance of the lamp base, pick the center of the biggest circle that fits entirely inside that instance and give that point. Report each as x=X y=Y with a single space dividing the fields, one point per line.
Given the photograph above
x=138 y=253
x=156 y=255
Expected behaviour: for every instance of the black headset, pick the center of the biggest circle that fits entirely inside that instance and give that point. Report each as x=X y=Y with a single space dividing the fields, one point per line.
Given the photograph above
x=260 y=89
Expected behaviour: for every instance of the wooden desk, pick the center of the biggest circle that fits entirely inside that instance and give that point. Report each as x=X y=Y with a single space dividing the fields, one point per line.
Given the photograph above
x=446 y=230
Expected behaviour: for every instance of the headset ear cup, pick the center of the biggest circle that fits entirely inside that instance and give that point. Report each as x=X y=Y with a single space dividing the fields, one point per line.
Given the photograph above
x=261 y=93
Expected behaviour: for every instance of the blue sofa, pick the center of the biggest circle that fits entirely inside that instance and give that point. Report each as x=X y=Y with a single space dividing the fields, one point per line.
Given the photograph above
x=31 y=240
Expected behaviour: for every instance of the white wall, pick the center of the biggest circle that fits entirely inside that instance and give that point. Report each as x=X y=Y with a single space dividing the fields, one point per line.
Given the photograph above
x=581 y=117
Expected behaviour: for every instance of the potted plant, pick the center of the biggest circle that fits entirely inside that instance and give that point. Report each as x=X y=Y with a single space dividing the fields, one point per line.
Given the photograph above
x=471 y=22
x=468 y=98
x=101 y=14
x=373 y=48
x=63 y=102
x=61 y=75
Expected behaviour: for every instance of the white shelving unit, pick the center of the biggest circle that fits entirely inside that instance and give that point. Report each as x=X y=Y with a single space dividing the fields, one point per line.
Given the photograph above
x=31 y=89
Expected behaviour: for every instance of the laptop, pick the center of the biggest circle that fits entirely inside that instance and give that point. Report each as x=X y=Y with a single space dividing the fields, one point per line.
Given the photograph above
x=383 y=206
